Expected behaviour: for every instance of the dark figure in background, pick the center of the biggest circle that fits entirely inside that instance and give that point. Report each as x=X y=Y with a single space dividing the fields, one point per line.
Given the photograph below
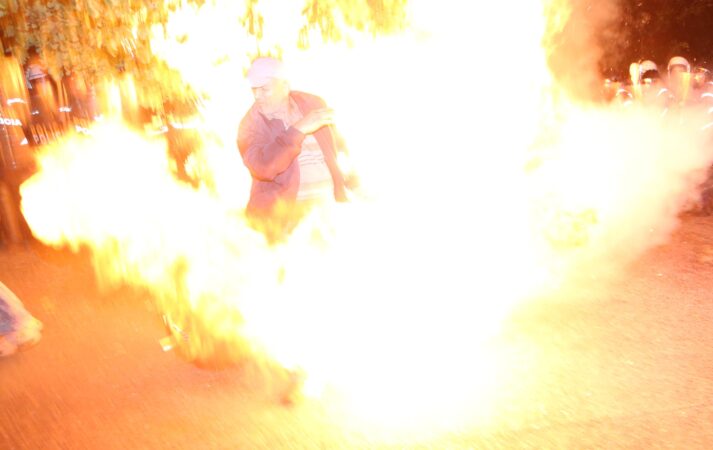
x=703 y=86
x=679 y=81
x=16 y=150
x=45 y=117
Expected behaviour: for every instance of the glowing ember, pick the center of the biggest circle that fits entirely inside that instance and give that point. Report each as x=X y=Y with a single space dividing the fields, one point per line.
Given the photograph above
x=481 y=190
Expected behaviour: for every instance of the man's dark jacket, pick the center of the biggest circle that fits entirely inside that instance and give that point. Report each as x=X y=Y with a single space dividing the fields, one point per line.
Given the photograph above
x=270 y=152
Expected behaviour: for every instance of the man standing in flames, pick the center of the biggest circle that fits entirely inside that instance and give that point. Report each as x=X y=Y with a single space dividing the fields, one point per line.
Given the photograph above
x=289 y=144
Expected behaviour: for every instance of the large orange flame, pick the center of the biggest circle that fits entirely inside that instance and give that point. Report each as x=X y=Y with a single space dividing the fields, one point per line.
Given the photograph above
x=482 y=188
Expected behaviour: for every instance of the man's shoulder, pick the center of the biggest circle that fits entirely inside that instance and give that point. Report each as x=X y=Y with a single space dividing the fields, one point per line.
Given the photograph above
x=250 y=116
x=307 y=98
x=250 y=113
x=249 y=124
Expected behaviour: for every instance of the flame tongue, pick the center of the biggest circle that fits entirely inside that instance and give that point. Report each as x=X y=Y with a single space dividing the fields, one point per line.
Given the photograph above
x=482 y=188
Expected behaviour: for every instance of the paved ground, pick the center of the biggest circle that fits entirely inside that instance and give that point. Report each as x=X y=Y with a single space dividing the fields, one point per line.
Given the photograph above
x=625 y=367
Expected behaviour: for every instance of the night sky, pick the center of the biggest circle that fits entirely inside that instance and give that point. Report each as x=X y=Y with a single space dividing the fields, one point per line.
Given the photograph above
x=660 y=29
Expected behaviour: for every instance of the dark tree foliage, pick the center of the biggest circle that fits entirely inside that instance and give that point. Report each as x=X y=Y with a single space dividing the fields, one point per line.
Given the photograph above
x=96 y=39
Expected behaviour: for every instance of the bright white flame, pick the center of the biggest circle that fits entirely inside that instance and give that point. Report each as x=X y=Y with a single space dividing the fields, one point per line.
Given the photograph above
x=480 y=191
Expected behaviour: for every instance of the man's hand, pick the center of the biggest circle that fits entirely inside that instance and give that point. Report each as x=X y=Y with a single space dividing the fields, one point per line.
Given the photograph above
x=314 y=120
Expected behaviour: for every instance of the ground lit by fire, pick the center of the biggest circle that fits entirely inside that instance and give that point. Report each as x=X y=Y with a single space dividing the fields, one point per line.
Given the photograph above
x=476 y=197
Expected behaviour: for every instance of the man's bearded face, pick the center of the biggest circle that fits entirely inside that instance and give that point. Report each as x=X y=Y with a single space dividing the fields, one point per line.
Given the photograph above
x=271 y=96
